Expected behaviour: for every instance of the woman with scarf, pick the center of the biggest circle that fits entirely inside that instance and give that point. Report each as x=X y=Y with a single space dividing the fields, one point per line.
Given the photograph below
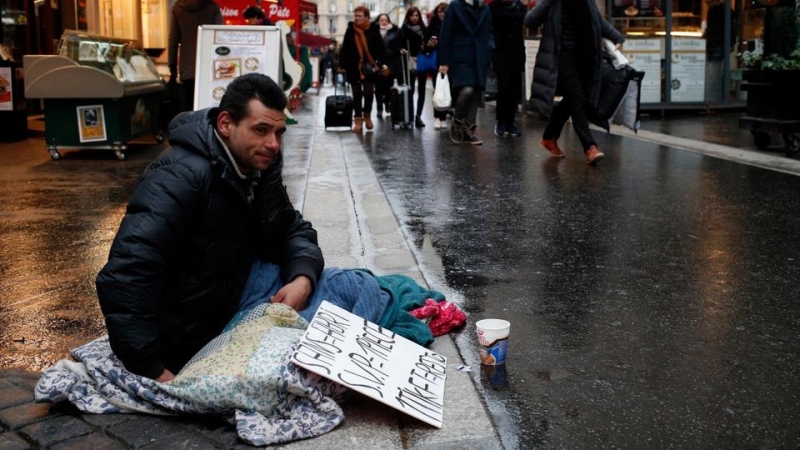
x=432 y=38
x=361 y=59
x=411 y=40
x=389 y=33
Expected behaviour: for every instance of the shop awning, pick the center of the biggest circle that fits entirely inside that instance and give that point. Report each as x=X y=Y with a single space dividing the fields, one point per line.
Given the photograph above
x=312 y=40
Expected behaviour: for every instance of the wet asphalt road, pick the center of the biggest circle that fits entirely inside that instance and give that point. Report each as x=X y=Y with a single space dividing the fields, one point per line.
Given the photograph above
x=57 y=221
x=652 y=300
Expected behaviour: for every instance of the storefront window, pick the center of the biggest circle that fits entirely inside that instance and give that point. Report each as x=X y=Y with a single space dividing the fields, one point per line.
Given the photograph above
x=120 y=18
x=683 y=48
x=155 y=23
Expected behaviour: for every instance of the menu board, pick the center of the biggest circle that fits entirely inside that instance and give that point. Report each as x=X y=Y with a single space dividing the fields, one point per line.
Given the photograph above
x=531 y=49
x=645 y=55
x=688 y=70
x=225 y=52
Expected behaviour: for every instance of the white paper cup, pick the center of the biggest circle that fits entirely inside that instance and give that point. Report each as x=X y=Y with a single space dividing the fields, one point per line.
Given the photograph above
x=493 y=340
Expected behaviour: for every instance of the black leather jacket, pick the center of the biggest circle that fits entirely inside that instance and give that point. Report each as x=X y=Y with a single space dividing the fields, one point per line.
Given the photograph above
x=182 y=255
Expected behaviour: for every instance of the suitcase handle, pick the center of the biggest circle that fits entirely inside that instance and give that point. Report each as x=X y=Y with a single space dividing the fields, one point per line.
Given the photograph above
x=336 y=96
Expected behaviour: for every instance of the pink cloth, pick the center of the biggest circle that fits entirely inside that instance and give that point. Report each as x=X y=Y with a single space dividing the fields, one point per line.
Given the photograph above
x=444 y=316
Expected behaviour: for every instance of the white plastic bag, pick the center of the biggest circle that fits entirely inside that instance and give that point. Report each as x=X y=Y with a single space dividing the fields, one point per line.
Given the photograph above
x=441 y=96
x=619 y=60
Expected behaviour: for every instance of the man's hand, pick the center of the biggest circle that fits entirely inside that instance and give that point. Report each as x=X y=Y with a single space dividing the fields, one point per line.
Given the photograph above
x=165 y=376
x=294 y=294
x=443 y=69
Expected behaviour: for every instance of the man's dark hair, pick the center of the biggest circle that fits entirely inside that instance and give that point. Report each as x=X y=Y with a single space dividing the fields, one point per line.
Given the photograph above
x=247 y=87
x=254 y=12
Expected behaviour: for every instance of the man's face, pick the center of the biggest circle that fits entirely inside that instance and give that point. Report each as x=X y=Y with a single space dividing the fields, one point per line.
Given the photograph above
x=252 y=20
x=255 y=141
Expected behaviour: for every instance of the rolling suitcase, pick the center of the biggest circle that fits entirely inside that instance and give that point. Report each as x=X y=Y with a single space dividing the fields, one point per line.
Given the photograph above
x=402 y=112
x=338 y=109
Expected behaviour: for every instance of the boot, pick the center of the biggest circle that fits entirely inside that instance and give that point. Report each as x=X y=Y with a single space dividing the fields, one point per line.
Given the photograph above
x=357 y=121
x=469 y=136
x=419 y=123
x=368 y=121
x=457 y=131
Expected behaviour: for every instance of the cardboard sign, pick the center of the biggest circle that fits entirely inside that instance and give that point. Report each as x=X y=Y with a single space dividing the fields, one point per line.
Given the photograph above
x=375 y=362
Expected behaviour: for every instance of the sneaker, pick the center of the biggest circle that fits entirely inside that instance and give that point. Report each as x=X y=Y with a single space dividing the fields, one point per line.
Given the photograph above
x=419 y=123
x=593 y=155
x=456 y=132
x=512 y=130
x=551 y=145
x=470 y=137
x=499 y=129
x=437 y=124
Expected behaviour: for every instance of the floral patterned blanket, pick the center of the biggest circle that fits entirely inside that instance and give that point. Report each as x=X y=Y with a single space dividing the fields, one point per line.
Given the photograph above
x=245 y=375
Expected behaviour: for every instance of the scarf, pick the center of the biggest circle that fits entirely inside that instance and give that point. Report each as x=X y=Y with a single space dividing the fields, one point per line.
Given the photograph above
x=385 y=29
x=416 y=29
x=361 y=45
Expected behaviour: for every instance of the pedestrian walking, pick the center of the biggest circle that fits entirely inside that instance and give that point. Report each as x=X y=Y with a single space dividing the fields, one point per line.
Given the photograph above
x=432 y=38
x=411 y=40
x=465 y=51
x=568 y=64
x=187 y=15
x=508 y=60
x=383 y=83
x=361 y=58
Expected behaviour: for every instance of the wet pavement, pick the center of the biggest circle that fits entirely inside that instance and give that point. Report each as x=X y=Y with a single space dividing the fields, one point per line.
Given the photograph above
x=716 y=127
x=652 y=299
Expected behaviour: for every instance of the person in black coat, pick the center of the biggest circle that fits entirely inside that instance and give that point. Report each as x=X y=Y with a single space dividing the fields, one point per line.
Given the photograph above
x=434 y=28
x=389 y=32
x=200 y=216
x=465 y=51
x=568 y=64
x=508 y=61
x=715 y=48
x=362 y=45
x=411 y=41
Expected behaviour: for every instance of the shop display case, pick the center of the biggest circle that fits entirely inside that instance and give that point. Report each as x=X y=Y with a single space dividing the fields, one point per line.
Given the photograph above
x=99 y=93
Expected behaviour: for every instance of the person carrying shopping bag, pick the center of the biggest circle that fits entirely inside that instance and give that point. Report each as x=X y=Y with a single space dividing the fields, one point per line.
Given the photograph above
x=465 y=50
x=361 y=59
x=569 y=64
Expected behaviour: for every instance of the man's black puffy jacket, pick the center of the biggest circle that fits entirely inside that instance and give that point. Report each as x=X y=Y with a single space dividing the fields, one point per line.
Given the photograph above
x=182 y=255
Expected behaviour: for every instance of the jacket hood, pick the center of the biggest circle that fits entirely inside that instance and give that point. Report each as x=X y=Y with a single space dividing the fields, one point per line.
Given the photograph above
x=193 y=130
x=193 y=5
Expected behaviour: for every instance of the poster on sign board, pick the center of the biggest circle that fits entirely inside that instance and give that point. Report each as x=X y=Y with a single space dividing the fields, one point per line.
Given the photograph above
x=644 y=55
x=374 y=361
x=225 y=52
x=688 y=83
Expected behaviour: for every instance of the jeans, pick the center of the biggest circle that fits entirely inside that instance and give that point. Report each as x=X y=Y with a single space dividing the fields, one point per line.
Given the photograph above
x=421 y=80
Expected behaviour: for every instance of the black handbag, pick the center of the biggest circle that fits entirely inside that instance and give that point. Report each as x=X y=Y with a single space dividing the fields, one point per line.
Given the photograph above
x=368 y=69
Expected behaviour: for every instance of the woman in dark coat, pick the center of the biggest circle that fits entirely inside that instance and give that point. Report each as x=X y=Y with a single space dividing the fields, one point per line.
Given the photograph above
x=568 y=63
x=432 y=38
x=362 y=44
x=411 y=40
x=508 y=61
x=389 y=33
x=465 y=50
